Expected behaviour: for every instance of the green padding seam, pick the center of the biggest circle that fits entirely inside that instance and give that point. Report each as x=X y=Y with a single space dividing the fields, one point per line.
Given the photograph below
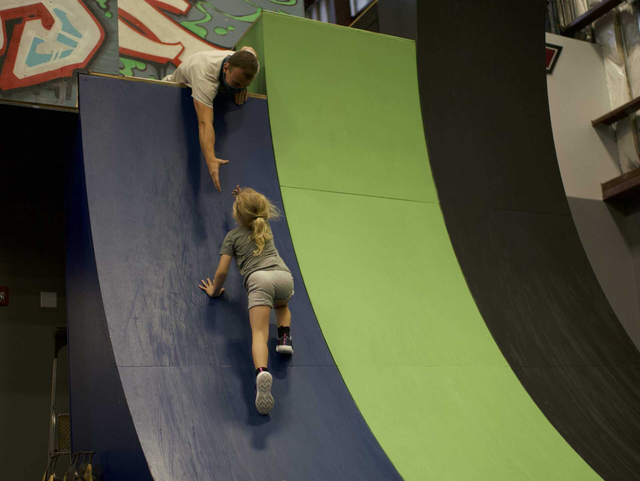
x=379 y=266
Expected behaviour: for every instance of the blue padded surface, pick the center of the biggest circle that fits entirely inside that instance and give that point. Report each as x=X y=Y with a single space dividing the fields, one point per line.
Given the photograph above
x=101 y=420
x=185 y=360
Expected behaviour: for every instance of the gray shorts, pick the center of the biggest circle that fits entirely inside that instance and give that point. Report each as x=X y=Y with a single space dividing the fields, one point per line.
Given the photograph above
x=268 y=287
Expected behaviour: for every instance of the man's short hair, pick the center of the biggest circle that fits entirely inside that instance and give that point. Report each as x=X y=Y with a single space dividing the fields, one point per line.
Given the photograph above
x=246 y=61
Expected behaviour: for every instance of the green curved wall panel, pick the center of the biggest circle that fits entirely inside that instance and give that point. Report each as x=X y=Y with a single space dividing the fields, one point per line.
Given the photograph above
x=379 y=267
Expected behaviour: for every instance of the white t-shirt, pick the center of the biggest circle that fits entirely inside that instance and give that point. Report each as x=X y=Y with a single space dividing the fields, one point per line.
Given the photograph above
x=201 y=72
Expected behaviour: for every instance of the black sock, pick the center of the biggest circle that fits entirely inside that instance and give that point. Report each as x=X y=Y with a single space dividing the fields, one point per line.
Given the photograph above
x=282 y=330
x=261 y=369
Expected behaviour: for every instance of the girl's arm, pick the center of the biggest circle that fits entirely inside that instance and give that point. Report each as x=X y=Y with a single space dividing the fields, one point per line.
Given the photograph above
x=221 y=274
x=214 y=289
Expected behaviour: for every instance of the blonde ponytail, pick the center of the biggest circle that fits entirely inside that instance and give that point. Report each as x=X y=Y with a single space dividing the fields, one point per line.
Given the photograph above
x=252 y=209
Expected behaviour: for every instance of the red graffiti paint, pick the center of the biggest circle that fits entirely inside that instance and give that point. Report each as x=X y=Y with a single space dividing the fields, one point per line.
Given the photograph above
x=41 y=23
x=148 y=33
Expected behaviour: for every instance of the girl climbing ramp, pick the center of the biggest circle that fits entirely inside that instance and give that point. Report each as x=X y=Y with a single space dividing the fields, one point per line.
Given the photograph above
x=267 y=279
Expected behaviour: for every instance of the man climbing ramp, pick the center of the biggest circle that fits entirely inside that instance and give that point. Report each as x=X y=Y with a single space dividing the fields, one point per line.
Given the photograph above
x=204 y=72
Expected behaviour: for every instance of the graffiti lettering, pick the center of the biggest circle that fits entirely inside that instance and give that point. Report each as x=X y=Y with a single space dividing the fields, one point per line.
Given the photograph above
x=52 y=40
x=147 y=33
x=46 y=40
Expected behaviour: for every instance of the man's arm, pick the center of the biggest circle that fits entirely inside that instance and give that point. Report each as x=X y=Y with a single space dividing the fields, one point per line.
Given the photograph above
x=207 y=140
x=241 y=97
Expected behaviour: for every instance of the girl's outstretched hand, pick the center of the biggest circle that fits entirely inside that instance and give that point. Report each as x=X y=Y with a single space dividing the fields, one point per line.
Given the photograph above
x=208 y=288
x=236 y=191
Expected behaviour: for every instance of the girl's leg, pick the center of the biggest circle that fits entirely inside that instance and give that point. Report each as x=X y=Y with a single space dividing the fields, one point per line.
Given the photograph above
x=259 y=318
x=283 y=318
x=283 y=314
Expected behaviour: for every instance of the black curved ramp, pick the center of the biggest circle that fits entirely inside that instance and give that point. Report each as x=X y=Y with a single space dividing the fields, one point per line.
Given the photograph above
x=488 y=130
x=185 y=360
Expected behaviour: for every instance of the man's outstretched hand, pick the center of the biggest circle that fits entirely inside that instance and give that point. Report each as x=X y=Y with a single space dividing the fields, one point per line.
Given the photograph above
x=241 y=97
x=214 y=171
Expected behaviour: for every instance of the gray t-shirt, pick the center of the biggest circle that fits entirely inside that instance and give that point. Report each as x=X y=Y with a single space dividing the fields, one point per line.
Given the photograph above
x=238 y=244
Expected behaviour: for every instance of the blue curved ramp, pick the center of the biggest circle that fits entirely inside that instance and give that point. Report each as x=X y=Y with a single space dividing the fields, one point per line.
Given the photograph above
x=184 y=360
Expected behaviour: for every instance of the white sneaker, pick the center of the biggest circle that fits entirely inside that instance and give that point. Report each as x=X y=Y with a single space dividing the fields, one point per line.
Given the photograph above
x=264 y=399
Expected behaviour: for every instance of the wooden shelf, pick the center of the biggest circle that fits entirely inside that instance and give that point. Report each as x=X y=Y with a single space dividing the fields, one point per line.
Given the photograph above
x=593 y=14
x=623 y=186
x=619 y=113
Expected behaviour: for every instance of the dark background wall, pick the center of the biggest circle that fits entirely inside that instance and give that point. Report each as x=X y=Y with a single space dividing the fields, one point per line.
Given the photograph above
x=32 y=259
x=398 y=18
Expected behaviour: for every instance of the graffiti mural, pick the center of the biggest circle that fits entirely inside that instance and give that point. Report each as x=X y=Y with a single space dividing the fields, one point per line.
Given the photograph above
x=148 y=34
x=50 y=42
x=44 y=43
x=157 y=35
